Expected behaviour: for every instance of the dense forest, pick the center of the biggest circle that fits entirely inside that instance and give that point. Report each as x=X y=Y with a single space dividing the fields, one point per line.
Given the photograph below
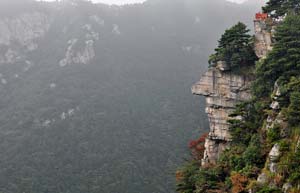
x=96 y=98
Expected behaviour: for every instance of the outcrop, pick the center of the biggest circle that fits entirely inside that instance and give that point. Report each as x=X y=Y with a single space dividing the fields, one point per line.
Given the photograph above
x=20 y=35
x=223 y=90
x=264 y=30
x=83 y=56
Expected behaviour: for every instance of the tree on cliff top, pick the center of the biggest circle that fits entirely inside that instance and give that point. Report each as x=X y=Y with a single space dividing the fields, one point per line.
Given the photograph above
x=277 y=8
x=235 y=48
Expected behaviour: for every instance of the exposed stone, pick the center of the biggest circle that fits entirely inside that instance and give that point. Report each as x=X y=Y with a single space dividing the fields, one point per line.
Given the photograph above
x=213 y=148
x=274 y=157
x=83 y=56
x=222 y=91
x=20 y=34
x=273 y=167
x=262 y=178
x=275 y=105
x=116 y=29
x=274 y=153
x=222 y=65
x=276 y=91
x=263 y=38
x=297 y=145
x=24 y=29
x=286 y=187
x=97 y=19
x=11 y=56
x=91 y=34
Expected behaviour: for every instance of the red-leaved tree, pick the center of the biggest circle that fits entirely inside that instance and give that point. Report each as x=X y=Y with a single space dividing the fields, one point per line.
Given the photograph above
x=197 y=147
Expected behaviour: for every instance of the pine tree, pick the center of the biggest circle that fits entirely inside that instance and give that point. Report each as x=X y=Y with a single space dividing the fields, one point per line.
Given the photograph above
x=294 y=109
x=284 y=60
x=235 y=47
x=277 y=8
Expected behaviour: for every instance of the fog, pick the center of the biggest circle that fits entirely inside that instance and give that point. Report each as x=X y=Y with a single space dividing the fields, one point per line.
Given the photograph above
x=96 y=98
x=110 y=2
x=122 y=2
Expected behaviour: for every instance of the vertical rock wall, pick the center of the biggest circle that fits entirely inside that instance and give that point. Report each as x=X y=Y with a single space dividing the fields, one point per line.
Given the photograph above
x=222 y=90
x=263 y=37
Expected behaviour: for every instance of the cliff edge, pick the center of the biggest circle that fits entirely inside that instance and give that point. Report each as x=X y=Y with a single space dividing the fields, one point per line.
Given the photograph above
x=223 y=89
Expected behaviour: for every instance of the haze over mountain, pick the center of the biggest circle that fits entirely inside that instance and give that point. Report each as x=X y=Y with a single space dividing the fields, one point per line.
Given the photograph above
x=122 y=2
x=96 y=98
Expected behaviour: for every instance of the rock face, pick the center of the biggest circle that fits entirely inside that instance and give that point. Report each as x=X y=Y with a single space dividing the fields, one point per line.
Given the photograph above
x=263 y=37
x=83 y=56
x=19 y=35
x=24 y=29
x=222 y=91
x=273 y=157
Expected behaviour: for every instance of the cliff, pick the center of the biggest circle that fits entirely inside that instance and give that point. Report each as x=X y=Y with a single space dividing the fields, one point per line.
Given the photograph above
x=223 y=89
x=20 y=35
x=263 y=36
x=254 y=140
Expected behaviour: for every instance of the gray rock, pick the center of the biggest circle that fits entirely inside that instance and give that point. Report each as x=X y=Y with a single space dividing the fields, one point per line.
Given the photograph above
x=274 y=153
x=83 y=56
x=262 y=178
x=275 y=105
x=21 y=34
x=222 y=65
x=263 y=37
x=286 y=187
x=222 y=90
x=274 y=156
x=273 y=167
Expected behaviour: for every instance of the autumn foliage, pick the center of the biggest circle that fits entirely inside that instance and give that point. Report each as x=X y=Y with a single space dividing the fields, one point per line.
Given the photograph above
x=239 y=183
x=197 y=147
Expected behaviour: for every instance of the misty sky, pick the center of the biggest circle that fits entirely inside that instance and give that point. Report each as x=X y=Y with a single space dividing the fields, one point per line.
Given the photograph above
x=120 y=2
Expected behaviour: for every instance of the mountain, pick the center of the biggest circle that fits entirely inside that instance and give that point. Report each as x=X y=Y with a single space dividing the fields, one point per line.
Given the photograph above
x=252 y=101
x=96 y=98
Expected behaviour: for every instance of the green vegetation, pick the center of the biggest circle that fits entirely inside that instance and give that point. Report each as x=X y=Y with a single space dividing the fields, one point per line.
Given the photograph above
x=283 y=61
x=246 y=158
x=235 y=48
x=277 y=8
x=273 y=134
x=267 y=189
x=186 y=177
x=294 y=109
x=242 y=130
x=242 y=158
x=192 y=178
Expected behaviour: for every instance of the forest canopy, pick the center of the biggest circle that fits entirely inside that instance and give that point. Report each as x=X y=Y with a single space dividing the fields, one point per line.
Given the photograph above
x=277 y=8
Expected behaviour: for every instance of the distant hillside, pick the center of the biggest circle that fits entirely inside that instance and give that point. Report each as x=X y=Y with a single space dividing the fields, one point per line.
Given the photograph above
x=96 y=98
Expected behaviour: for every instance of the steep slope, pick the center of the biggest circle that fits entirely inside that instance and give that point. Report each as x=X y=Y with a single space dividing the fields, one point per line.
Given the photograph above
x=256 y=148
x=94 y=97
x=223 y=90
